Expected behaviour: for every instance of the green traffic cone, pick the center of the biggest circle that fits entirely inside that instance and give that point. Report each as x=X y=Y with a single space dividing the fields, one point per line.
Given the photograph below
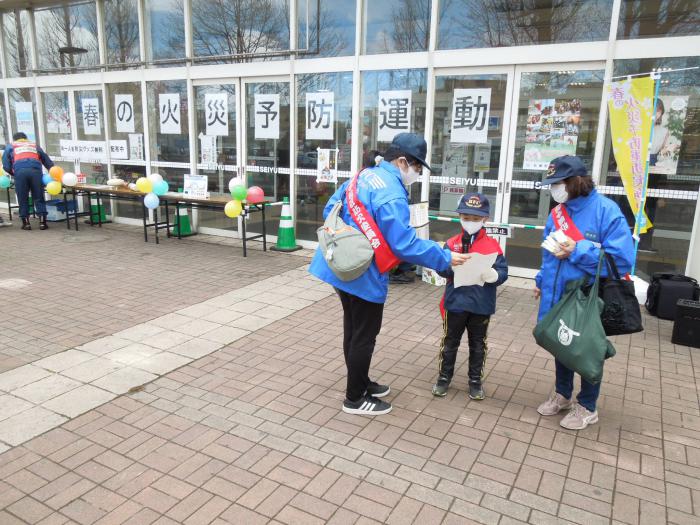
x=97 y=211
x=182 y=227
x=286 y=241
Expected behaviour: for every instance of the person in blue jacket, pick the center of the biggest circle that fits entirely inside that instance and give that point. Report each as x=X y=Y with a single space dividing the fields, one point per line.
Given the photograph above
x=382 y=190
x=469 y=307
x=600 y=223
x=23 y=160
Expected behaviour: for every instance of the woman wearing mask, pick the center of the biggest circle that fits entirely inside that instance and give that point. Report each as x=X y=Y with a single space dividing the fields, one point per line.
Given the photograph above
x=381 y=191
x=589 y=221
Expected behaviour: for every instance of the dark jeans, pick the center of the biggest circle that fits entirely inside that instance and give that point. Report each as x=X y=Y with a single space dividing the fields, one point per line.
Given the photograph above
x=362 y=321
x=454 y=325
x=587 y=397
x=26 y=180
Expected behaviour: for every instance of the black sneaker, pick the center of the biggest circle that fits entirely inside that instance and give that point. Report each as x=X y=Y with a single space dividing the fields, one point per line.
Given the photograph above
x=440 y=388
x=476 y=392
x=377 y=390
x=367 y=406
x=401 y=278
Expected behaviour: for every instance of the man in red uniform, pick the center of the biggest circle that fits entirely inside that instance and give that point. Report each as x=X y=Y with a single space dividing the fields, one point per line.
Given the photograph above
x=23 y=160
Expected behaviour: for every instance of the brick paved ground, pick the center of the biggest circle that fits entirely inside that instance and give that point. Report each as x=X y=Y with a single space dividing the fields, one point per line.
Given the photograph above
x=89 y=284
x=252 y=433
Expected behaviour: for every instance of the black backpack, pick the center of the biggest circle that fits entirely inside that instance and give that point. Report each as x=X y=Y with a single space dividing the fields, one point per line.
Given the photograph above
x=666 y=289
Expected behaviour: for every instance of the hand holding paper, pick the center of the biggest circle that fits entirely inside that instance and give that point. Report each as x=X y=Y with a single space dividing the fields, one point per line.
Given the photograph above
x=472 y=272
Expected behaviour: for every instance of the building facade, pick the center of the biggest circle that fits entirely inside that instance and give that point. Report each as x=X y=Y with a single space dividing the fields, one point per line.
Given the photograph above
x=261 y=88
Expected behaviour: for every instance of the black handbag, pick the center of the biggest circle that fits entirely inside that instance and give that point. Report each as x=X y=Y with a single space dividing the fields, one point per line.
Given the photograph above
x=621 y=314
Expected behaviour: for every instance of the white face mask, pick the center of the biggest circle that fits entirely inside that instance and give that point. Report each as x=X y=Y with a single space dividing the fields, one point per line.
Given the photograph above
x=409 y=176
x=471 y=227
x=559 y=193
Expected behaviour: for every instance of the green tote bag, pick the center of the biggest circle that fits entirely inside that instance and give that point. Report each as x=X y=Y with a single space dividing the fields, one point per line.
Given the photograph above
x=572 y=331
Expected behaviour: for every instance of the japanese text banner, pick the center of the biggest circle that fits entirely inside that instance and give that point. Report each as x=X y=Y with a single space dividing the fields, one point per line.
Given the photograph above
x=630 y=103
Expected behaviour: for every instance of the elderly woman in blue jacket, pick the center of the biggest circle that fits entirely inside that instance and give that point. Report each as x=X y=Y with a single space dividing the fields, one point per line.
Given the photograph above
x=590 y=221
x=382 y=191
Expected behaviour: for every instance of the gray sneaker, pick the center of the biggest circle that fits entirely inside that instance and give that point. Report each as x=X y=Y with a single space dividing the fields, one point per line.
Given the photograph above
x=440 y=387
x=579 y=418
x=555 y=404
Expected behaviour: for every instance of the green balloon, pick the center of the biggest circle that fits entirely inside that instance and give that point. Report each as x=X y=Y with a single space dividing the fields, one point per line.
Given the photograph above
x=239 y=193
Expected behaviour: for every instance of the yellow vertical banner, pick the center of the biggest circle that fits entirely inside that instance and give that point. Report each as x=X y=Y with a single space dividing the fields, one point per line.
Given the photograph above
x=630 y=104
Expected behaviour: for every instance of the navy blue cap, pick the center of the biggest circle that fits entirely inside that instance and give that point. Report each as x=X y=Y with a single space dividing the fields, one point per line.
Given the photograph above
x=411 y=144
x=474 y=204
x=564 y=167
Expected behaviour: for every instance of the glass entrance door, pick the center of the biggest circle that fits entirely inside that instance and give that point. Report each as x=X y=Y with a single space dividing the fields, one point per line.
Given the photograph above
x=555 y=112
x=468 y=143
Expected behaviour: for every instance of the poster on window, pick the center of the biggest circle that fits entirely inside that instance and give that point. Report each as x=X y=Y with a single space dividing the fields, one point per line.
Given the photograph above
x=136 y=146
x=327 y=165
x=124 y=113
x=92 y=124
x=320 y=115
x=195 y=186
x=671 y=112
x=24 y=119
x=207 y=149
x=267 y=116
x=169 y=112
x=552 y=131
x=394 y=114
x=216 y=114
x=470 y=116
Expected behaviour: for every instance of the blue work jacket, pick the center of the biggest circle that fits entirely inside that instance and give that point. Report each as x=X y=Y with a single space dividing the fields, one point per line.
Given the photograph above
x=13 y=167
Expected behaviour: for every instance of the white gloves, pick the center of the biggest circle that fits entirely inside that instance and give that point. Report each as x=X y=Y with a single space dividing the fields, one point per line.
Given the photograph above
x=490 y=276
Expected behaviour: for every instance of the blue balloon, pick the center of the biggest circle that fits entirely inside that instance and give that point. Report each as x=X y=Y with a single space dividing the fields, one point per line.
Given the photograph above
x=151 y=201
x=160 y=188
x=46 y=178
x=4 y=182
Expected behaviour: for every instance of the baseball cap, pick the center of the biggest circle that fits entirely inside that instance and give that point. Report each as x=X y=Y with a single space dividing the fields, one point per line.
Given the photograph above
x=411 y=144
x=474 y=204
x=564 y=167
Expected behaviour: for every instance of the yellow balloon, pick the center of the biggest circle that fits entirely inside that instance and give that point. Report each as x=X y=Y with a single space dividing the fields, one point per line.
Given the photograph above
x=144 y=185
x=233 y=209
x=53 y=187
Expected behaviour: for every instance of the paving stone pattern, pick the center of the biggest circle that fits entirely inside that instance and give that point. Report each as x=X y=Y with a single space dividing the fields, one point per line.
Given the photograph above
x=252 y=433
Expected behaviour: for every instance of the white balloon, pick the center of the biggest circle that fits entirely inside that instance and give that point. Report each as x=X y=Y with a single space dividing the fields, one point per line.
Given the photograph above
x=132 y=186
x=155 y=177
x=236 y=181
x=69 y=179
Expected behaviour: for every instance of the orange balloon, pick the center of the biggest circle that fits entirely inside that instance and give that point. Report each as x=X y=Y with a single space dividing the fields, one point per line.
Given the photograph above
x=56 y=173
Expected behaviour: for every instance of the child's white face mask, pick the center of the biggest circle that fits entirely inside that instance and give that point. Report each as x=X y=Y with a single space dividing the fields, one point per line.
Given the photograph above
x=471 y=227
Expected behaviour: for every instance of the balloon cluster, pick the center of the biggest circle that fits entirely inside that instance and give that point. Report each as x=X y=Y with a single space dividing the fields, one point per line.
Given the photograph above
x=153 y=186
x=4 y=180
x=252 y=195
x=56 y=178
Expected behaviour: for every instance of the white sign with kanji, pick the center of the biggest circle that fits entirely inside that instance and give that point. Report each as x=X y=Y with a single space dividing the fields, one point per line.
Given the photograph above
x=470 y=116
x=91 y=116
x=320 y=114
x=169 y=113
x=124 y=113
x=216 y=114
x=267 y=116
x=394 y=114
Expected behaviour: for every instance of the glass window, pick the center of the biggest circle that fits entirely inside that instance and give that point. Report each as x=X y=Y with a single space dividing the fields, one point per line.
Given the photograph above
x=95 y=173
x=164 y=27
x=128 y=173
x=394 y=26
x=57 y=124
x=489 y=23
x=470 y=166
x=216 y=132
x=557 y=115
x=122 y=31
x=126 y=119
x=651 y=18
x=167 y=121
x=16 y=35
x=250 y=29
x=673 y=170
x=312 y=196
x=4 y=130
x=67 y=37
x=267 y=159
x=330 y=33
x=22 y=109
x=388 y=90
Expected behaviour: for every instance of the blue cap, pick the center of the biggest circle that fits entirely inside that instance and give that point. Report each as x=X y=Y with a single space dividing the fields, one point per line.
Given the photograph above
x=411 y=144
x=474 y=204
x=564 y=167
